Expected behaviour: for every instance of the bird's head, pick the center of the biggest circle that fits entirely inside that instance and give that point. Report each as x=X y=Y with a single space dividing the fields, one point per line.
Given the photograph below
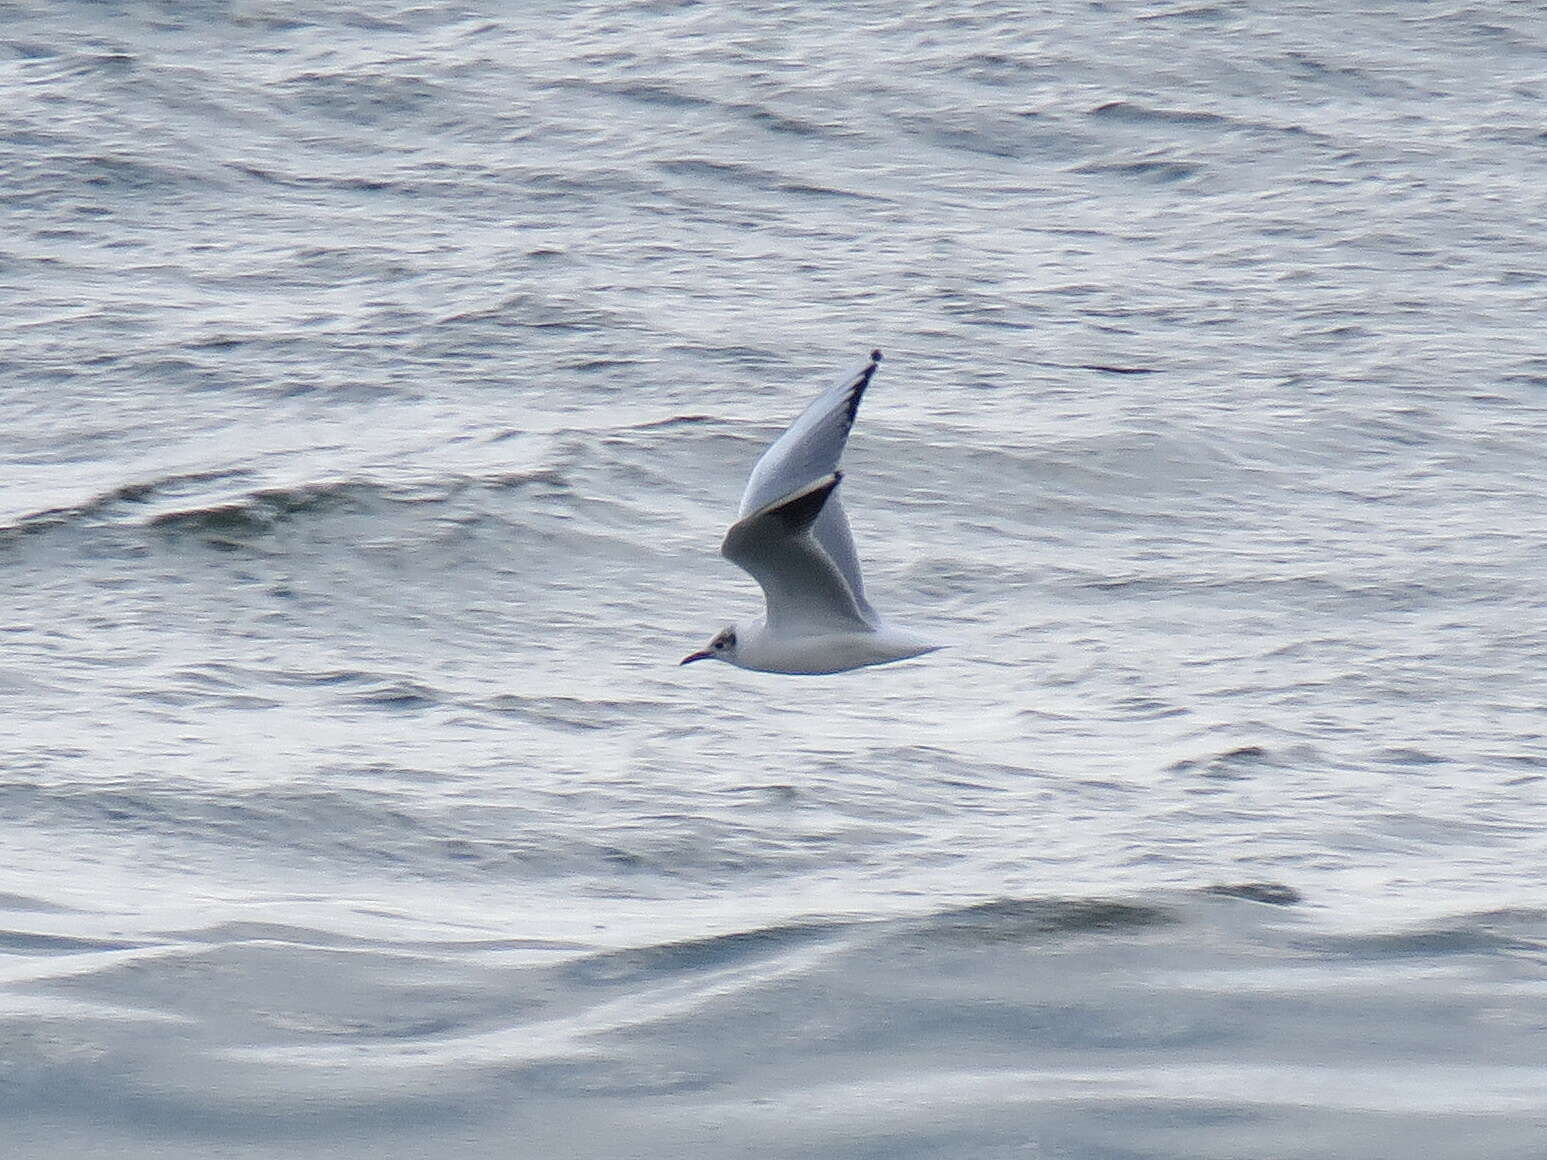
x=721 y=648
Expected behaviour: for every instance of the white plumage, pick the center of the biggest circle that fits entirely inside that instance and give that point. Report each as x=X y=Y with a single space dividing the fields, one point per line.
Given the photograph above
x=792 y=536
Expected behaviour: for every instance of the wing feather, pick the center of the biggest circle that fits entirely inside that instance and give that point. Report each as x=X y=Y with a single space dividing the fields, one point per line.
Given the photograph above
x=810 y=449
x=811 y=446
x=805 y=591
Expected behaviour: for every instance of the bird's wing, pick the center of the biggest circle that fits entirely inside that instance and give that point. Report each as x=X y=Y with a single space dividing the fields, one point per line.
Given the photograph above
x=812 y=445
x=805 y=591
x=810 y=450
x=832 y=533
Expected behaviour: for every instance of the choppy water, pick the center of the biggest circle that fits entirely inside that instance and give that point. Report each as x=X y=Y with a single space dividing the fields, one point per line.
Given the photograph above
x=376 y=382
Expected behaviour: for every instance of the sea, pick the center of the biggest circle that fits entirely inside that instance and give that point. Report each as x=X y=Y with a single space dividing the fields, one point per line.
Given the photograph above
x=377 y=381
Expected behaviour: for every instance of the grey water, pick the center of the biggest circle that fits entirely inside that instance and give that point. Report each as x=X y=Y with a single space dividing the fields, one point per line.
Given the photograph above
x=376 y=382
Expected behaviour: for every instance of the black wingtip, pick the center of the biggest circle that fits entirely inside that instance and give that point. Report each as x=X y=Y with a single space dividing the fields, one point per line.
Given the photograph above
x=857 y=390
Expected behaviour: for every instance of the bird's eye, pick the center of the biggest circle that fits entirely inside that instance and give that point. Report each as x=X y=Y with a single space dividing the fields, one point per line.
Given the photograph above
x=719 y=644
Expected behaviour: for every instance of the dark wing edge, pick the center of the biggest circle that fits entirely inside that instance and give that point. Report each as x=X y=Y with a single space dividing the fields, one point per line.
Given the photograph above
x=791 y=515
x=861 y=381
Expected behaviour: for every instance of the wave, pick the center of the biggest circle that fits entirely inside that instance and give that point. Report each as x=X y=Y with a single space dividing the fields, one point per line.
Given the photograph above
x=946 y=1029
x=664 y=96
x=162 y=504
x=124 y=496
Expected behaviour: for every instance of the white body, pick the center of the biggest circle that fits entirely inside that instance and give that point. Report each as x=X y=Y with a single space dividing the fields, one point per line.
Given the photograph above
x=771 y=652
x=792 y=536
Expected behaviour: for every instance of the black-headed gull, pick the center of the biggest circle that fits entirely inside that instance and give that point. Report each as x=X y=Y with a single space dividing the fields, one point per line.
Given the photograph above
x=792 y=537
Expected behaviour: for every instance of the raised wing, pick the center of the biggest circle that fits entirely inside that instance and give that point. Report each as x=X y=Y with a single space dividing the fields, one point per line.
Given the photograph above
x=805 y=591
x=811 y=446
x=809 y=450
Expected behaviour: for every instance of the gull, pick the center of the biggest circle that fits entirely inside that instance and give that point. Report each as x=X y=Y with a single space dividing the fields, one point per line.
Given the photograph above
x=792 y=537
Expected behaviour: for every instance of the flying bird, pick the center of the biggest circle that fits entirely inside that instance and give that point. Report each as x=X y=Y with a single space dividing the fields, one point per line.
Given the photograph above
x=792 y=537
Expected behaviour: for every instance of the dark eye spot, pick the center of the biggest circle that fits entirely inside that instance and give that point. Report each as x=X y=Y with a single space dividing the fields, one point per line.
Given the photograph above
x=719 y=644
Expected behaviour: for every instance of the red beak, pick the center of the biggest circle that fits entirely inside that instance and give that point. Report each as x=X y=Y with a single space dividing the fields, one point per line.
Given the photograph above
x=702 y=655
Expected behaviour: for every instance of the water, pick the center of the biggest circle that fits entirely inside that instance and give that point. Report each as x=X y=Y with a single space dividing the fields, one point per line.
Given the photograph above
x=376 y=383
